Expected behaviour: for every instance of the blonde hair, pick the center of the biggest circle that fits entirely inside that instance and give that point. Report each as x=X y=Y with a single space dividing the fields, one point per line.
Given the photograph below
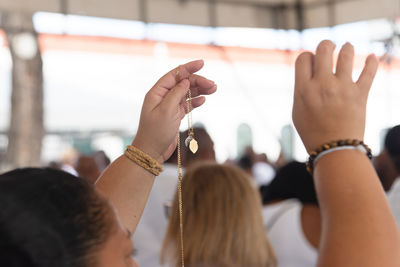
x=222 y=221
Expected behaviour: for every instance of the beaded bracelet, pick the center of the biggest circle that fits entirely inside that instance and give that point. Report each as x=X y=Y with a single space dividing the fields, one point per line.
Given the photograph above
x=143 y=160
x=326 y=148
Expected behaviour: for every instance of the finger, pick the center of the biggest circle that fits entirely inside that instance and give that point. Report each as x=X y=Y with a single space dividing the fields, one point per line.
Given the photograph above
x=200 y=81
x=178 y=74
x=368 y=74
x=324 y=59
x=196 y=102
x=176 y=94
x=197 y=91
x=344 y=68
x=304 y=67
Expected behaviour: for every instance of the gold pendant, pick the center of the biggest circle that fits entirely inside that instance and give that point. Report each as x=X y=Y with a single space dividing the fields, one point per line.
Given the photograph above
x=193 y=146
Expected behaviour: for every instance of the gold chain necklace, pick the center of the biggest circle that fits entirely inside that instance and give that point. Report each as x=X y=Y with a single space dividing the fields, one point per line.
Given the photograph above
x=192 y=144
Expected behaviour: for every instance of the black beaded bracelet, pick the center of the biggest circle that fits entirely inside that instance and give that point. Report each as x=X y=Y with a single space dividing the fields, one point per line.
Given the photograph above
x=331 y=146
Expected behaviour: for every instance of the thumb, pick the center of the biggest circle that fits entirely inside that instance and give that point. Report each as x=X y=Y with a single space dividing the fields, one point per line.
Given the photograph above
x=174 y=97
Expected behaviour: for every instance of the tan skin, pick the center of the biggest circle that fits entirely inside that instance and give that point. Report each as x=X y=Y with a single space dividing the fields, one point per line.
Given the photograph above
x=127 y=185
x=118 y=250
x=311 y=224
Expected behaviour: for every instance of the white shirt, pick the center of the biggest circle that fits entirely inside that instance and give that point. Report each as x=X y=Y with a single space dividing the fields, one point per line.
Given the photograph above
x=151 y=229
x=283 y=223
x=394 y=200
x=263 y=173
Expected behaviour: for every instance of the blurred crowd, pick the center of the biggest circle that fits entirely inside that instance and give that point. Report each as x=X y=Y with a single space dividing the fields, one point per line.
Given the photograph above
x=86 y=166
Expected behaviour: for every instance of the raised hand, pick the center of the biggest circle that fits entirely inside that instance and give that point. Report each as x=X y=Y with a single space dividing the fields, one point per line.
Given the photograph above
x=165 y=105
x=329 y=106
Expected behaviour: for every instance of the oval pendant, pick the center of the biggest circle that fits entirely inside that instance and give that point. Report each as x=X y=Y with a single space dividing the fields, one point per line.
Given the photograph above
x=193 y=146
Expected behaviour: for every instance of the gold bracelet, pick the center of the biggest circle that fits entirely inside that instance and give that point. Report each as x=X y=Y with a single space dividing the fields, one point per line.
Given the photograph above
x=143 y=160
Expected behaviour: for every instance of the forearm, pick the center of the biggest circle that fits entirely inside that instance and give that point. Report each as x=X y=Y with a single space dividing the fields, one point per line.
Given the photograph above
x=127 y=186
x=358 y=227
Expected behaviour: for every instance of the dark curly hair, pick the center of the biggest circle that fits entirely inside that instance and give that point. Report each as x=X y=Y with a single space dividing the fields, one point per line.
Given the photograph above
x=50 y=218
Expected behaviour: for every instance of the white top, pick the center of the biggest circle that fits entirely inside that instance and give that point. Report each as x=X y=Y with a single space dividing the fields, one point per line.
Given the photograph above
x=394 y=200
x=283 y=223
x=263 y=173
x=151 y=229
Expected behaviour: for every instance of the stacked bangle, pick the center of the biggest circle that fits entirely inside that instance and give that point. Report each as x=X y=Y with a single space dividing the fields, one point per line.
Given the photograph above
x=143 y=160
x=327 y=148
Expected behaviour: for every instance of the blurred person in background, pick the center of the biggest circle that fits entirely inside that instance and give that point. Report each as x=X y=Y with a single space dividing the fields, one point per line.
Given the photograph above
x=256 y=166
x=87 y=168
x=54 y=165
x=91 y=166
x=153 y=224
x=206 y=150
x=387 y=164
x=292 y=217
x=102 y=160
x=263 y=170
x=245 y=162
x=282 y=160
x=222 y=222
x=68 y=160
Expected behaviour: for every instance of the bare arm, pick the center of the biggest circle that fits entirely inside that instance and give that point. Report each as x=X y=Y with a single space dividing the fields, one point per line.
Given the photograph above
x=358 y=228
x=128 y=185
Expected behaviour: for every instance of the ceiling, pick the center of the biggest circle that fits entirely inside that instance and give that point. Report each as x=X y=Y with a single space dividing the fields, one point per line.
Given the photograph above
x=283 y=14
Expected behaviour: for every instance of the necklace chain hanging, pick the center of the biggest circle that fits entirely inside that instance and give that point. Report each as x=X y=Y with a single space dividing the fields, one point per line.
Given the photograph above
x=192 y=144
x=180 y=202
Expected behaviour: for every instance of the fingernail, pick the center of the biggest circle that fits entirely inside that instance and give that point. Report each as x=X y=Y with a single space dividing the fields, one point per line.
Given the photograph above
x=347 y=43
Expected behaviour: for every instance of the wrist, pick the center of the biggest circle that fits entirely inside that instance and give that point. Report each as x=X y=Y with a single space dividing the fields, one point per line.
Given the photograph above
x=316 y=143
x=336 y=146
x=335 y=161
x=143 y=160
x=148 y=149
